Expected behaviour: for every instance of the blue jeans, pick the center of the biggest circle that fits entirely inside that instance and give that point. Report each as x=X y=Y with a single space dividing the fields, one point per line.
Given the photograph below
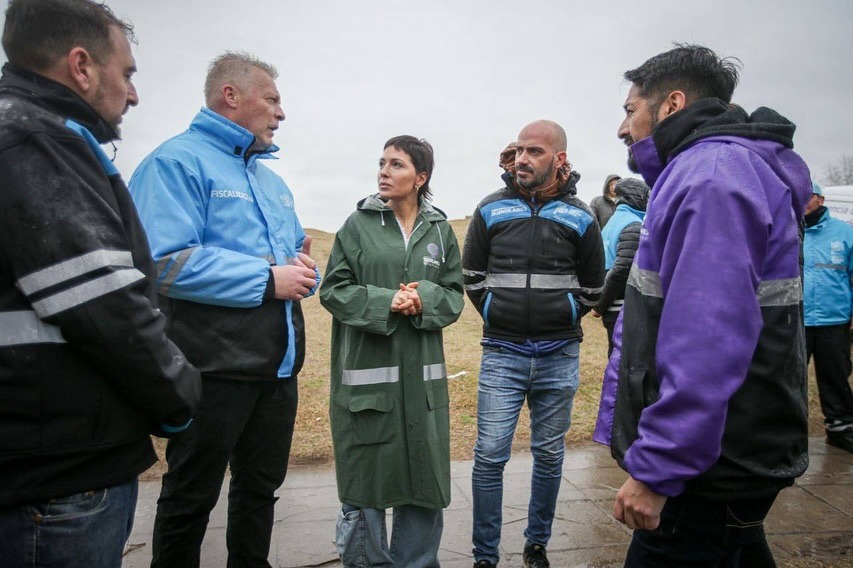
x=415 y=537
x=696 y=533
x=549 y=383
x=85 y=529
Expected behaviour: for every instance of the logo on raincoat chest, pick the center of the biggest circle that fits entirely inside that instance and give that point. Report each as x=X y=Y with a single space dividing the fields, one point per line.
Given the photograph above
x=432 y=259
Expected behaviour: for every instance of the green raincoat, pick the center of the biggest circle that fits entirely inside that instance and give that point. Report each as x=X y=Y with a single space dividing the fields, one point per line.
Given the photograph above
x=389 y=402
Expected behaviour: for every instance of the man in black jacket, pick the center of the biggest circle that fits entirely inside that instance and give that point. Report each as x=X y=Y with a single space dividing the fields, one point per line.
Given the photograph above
x=86 y=370
x=533 y=264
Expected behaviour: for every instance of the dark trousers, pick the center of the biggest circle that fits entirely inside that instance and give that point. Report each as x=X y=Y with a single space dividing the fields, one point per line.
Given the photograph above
x=695 y=533
x=609 y=324
x=830 y=346
x=248 y=425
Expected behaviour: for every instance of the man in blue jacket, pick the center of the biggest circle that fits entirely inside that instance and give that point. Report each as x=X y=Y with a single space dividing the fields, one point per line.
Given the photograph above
x=233 y=265
x=704 y=399
x=828 y=255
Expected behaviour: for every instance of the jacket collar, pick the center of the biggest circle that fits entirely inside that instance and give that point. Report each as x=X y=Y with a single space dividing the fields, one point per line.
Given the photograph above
x=228 y=136
x=703 y=119
x=56 y=98
x=425 y=208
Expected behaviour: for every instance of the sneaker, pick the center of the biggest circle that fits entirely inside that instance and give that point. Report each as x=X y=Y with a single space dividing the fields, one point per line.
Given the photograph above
x=535 y=557
x=484 y=564
x=842 y=439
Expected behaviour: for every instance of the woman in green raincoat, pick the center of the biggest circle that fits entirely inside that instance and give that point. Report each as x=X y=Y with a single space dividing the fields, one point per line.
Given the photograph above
x=393 y=282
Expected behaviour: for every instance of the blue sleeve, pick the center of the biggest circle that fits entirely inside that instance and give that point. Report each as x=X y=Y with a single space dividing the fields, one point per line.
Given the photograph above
x=300 y=240
x=172 y=202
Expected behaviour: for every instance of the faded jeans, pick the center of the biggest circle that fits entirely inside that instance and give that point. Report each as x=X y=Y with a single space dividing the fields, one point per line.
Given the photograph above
x=362 y=541
x=549 y=383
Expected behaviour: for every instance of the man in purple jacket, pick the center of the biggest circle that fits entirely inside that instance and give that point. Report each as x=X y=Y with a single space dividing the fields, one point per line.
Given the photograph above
x=704 y=402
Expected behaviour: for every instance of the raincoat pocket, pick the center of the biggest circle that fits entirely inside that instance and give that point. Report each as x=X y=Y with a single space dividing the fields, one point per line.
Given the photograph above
x=437 y=398
x=372 y=419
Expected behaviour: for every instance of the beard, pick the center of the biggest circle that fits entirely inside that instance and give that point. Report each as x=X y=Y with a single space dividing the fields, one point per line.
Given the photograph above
x=536 y=181
x=632 y=163
x=98 y=103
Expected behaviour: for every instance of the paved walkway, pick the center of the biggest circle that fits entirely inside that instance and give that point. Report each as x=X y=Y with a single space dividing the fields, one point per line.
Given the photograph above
x=812 y=521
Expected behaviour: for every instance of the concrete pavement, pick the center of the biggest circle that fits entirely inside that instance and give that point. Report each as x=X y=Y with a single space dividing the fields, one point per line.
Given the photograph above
x=811 y=523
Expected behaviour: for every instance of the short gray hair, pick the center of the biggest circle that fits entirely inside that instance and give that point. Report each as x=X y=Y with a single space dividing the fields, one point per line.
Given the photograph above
x=233 y=67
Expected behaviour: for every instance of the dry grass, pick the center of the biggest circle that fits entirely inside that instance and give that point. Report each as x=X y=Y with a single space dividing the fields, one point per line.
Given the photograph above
x=312 y=443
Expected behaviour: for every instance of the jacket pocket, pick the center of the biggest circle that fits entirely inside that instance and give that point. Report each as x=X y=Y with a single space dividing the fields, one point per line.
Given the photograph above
x=372 y=419
x=641 y=389
x=487 y=300
x=573 y=307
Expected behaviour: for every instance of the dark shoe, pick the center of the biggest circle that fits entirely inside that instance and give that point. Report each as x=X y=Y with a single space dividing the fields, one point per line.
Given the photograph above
x=484 y=564
x=535 y=557
x=843 y=439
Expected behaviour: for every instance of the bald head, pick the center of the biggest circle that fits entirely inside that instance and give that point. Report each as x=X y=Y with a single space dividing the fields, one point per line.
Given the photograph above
x=548 y=131
x=540 y=152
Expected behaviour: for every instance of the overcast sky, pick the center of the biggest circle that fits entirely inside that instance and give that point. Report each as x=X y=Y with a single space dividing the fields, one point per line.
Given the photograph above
x=467 y=76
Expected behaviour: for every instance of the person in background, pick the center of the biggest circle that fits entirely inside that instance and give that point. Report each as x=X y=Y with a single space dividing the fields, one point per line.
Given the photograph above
x=828 y=277
x=233 y=265
x=604 y=206
x=704 y=399
x=621 y=238
x=389 y=400
x=86 y=370
x=533 y=265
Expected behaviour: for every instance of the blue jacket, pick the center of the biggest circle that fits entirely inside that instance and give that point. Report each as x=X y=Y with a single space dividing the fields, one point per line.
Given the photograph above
x=624 y=216
x=216 y=220
x=828 y=256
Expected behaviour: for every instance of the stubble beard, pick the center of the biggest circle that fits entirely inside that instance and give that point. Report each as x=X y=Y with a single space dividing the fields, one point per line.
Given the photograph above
x=538 y=181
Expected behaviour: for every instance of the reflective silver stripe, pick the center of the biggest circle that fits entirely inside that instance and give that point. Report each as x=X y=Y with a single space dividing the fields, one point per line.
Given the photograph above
x=554 y=281
x=506 y=280
x=830 y=266
x=784 y=292
x=435 y=372
x=22 y=328
x=646 y=281
x=72 y=268
x=472 y=273
x=584 y=301
x=477 y=286
x=379 y=375
x=181 y=259
x=85 y=292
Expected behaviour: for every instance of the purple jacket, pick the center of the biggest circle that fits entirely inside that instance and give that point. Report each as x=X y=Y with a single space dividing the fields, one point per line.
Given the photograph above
x=706 y=389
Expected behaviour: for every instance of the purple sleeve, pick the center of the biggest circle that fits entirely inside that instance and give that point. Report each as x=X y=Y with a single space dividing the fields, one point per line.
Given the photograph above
x=711 y=236
x=607 y=404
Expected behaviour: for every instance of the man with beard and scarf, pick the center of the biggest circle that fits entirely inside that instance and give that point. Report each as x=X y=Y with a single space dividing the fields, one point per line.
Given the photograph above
x=533 y=264
x=828 y=289
x=704 y=402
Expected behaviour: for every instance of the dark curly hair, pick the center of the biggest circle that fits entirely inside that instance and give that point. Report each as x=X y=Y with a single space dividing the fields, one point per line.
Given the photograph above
x=695 y=70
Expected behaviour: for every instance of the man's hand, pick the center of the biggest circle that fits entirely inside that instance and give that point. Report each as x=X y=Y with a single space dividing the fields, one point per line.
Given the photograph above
x=407 y=301
x=294 y=281
x=303 y=259
x=306 y=245
x=594 y=313
x=637 y=506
